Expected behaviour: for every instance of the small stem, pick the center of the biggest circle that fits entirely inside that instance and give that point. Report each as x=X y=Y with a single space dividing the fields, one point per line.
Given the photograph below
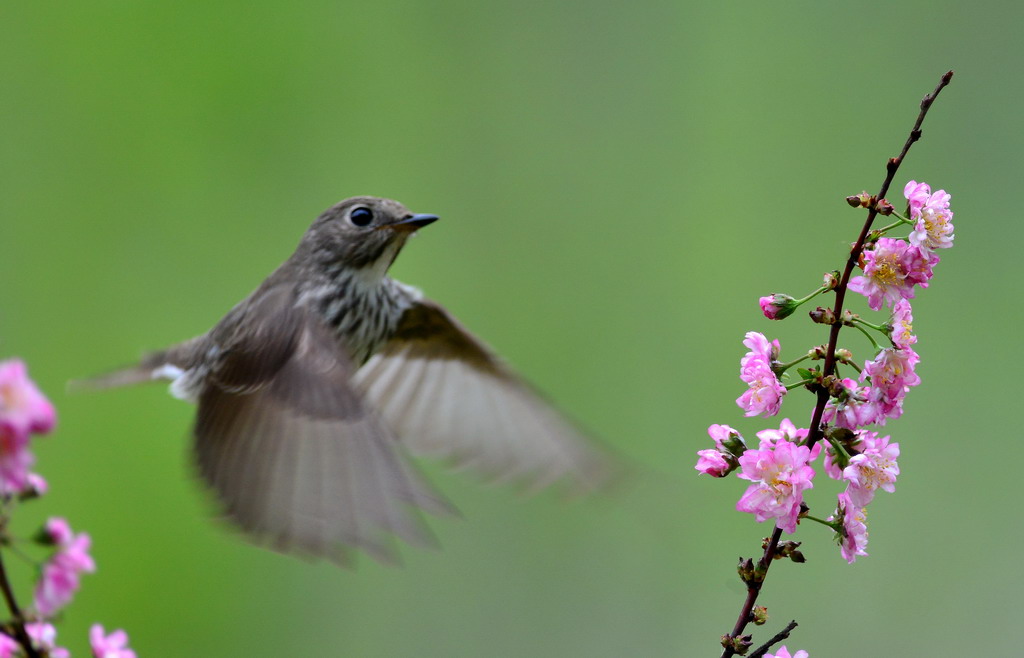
x=877 y=327
x=821 y=521
x=901 y=221
x=790 y=387
x=878 y=348
x=783 y=367
x=812 y=295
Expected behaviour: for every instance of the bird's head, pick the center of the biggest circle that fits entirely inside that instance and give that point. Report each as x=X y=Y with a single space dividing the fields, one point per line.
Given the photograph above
x=363 y=232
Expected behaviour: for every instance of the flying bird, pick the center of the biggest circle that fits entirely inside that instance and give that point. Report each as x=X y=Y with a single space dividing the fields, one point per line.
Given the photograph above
x=312 y=391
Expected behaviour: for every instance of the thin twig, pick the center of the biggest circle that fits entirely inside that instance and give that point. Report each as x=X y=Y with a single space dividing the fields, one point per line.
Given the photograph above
x=779 y=637
x=815 y=434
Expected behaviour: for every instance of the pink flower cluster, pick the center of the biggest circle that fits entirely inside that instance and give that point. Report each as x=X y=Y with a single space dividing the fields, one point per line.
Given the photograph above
x=24 y=411
x=893 y=267
x=60 y=574
x=779 y=471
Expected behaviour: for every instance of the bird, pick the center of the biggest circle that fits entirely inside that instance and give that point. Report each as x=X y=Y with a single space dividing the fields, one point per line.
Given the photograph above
x=315 y=391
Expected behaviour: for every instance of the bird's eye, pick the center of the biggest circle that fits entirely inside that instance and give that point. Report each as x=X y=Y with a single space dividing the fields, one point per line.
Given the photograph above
x=361 y=216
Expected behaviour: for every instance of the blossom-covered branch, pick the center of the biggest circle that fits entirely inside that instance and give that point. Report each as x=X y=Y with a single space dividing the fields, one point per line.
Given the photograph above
x=779 y=470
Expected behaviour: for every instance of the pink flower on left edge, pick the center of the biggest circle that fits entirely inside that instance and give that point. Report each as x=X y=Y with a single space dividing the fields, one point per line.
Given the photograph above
x=61 y=573
x=114 y=645
x=853 y=538
x=765 y=392
x=24 y=410
x=778 y=479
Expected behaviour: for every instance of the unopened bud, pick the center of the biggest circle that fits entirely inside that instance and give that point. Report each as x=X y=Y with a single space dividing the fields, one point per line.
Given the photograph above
x=759 y=615
x=861 y=200
x=746 y=570
x=823 y=315
x=777 y=306
x=738 y=645
x=831 y=280
x=883 y=207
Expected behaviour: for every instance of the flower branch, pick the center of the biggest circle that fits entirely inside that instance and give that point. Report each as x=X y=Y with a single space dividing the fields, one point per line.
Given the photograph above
x=779 y=470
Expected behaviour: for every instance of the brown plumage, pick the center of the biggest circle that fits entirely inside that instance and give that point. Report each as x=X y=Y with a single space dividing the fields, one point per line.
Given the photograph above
x=311 y=389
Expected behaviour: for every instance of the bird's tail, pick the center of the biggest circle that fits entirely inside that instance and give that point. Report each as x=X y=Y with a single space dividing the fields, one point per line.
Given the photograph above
x=166 y=364
x=151 y=367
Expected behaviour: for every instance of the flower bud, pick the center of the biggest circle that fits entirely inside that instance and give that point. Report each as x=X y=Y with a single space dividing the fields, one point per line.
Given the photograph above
x=759 y=615
x=777 y=306
x=738 y=645
x=861 y=200
x=883 y=207
x=823 y=315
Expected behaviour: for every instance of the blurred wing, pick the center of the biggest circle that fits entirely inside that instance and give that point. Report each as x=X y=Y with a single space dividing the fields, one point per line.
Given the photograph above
x=446 y=395
x=291 y=451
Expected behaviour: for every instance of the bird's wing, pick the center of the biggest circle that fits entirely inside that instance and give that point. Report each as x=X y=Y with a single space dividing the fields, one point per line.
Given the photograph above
x=290 y=449
x=447 y=395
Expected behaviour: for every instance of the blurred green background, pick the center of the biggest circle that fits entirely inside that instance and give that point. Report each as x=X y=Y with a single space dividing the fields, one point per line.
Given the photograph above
x=618 y=183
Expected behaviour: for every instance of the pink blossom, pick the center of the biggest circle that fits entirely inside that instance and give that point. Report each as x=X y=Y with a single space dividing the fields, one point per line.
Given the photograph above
x=933 y=228
x=874 y=468
x=902 y=325
x=920 y=265
x=60 y=575
x=891 y=374
x=853 y=538
x=764 y=396
x=783 y=652
x=712 y=462
x=58 y=530
x=9 y=647
x=779 y=476
x=777 y=306
x=917 y=195
x=762 y=350
x=724 y=436
x=721 y=460
x=787 y=432
x=44 y=636
x=114 y=645
x=891 y=270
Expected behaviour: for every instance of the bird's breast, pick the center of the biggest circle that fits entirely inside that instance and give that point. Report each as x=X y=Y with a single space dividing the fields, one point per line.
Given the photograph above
x=364 y=316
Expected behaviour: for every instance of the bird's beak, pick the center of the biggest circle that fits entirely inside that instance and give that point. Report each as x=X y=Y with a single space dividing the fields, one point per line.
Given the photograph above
x=410 y=224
